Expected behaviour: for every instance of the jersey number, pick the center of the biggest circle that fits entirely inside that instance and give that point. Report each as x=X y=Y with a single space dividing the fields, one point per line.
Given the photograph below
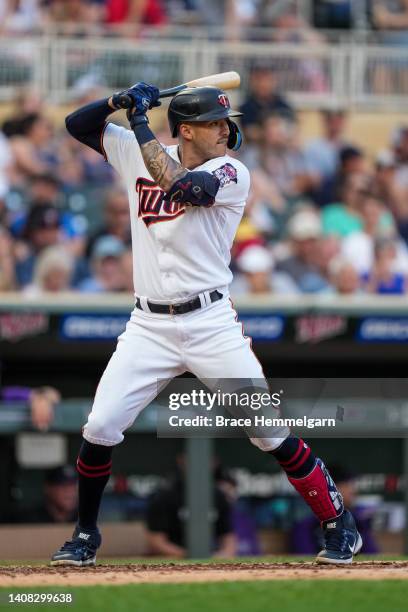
x=152 y=207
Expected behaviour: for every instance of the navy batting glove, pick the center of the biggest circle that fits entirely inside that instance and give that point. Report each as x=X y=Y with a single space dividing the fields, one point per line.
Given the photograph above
x=144 y=97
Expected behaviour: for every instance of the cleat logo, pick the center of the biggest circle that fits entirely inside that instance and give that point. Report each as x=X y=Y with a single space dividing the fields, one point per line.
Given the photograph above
x=331 y=525
x=84 y=536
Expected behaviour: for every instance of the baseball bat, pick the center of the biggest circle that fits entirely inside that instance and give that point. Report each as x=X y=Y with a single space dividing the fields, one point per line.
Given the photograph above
x=223 y=80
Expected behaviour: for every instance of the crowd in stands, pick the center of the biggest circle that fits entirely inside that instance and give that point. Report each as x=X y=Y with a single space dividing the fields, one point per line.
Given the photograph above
x=281 y=20
x=322 y=215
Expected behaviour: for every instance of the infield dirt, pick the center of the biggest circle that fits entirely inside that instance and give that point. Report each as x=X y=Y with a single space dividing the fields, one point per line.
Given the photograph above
x=27 y=576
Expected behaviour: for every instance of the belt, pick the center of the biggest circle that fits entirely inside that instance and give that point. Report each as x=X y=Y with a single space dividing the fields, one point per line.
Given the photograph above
x=182 y=308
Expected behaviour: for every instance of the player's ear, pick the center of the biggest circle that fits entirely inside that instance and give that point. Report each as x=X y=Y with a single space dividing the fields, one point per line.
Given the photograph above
x=185 y=131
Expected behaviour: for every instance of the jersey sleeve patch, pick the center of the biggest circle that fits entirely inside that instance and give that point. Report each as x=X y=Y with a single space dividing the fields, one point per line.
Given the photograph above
x=226 y=174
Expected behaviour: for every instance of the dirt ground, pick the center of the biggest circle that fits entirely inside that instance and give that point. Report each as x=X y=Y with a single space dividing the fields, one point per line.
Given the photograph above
x=19 y=576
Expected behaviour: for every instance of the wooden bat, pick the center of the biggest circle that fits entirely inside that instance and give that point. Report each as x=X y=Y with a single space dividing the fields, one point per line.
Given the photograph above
x=222 y=80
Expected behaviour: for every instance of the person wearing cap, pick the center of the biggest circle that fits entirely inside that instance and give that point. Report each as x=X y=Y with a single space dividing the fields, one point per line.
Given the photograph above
x=107 y=273
x=262 y=99
x=116 y=218
x=256 y=274
x=42 y=230
x=304 y=232
x=60 y=498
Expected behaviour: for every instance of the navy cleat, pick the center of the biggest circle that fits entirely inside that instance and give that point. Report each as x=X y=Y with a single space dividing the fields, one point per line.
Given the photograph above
x=342 y=540
x=80 y=551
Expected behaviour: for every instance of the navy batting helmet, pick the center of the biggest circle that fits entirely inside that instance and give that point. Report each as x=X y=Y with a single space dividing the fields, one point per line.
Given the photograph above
x=203 y=104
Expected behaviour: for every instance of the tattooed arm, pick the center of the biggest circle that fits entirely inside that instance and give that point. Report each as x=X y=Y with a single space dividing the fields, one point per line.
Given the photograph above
x=164 y=169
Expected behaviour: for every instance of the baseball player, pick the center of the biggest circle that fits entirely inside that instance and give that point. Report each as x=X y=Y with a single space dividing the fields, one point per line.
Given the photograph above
x=186 y=202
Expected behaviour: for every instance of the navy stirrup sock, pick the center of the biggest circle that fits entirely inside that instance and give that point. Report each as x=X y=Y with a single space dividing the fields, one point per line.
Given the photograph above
x=94 y=467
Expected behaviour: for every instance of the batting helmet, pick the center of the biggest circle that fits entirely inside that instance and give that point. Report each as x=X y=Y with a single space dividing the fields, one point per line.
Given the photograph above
x=203 y=104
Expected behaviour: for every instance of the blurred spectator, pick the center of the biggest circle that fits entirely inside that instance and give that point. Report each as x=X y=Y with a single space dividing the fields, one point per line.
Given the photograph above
x=42 y=230
x=352 y=161
x=41 y=400
x=74 y=17
x=19 y=16
x=6 y=160
x=306 y=536
x=302 y=264
x=134 y=13
x=336 y=14
x=33 y=149
x=383 y=279
x=242 y=518
x=391 y=17
x=262 y=100
x=347 y=217
x=116 y=218
x=386 y=188
x=7 y=262
x=106 y=268
x=256 y=274
x=27 y=101
x=60 y=499
x=344 y=217
x=126 y=262
x=323 y=153
x=166 y=516
x=358 y=246
x=280 y=161
x=344 y=277
x=53 y=271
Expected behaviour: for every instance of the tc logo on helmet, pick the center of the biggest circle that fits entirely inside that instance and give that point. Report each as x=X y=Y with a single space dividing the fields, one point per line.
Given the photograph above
x=223 y=100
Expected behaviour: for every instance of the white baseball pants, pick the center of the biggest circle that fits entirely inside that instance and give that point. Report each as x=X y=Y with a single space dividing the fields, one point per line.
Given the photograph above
x=207 y=342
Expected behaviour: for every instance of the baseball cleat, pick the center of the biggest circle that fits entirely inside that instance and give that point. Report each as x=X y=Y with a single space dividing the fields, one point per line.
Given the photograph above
x=342 y=540
x=80 y=551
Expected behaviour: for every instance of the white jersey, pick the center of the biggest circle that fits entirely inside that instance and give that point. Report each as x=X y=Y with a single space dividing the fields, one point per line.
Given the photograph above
x=178 y=251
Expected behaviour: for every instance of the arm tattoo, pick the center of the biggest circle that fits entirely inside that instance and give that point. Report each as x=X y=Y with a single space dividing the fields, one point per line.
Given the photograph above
x=163 y=168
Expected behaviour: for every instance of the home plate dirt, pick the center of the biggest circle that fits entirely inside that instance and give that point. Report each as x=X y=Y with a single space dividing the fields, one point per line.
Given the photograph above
x=144 y=573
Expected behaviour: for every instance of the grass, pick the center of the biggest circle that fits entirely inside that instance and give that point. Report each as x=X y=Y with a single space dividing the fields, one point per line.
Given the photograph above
x=281 y=596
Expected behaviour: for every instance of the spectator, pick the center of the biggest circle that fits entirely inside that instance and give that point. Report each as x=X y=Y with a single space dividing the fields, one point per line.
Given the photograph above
x=262 y=100
x=6 y=161
x=42 y=230
x=60 y=499
x=127 y=271
x=19 y=17
x=166 y=515
x=256 y=274
x=134 y=13
x=344 y=217
x=26 y=102
x=351 y=161
x=116 y=218
x=41 y=401
x=358 y=246
x=280 y=162
x=107 y=272
x=344 y=278
x=33 y=150
x=7 y=263
x=302 y=264
x=53 y=271
x=383 y=279
x=323 y=153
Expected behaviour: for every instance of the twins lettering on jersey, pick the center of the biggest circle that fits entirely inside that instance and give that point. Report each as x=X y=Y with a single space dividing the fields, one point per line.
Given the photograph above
x=152 y=207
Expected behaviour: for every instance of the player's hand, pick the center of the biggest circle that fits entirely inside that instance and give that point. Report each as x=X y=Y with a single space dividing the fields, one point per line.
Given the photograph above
x=143 y=95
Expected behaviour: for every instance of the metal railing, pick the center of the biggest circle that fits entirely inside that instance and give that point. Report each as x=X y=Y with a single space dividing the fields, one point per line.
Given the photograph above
x=312 y=75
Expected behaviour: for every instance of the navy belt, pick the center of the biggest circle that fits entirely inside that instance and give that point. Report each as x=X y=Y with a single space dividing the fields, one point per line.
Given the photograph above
x=182 y=308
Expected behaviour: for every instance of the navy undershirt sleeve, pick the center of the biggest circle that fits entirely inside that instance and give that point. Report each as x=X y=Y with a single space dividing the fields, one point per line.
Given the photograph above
x=88 y=122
